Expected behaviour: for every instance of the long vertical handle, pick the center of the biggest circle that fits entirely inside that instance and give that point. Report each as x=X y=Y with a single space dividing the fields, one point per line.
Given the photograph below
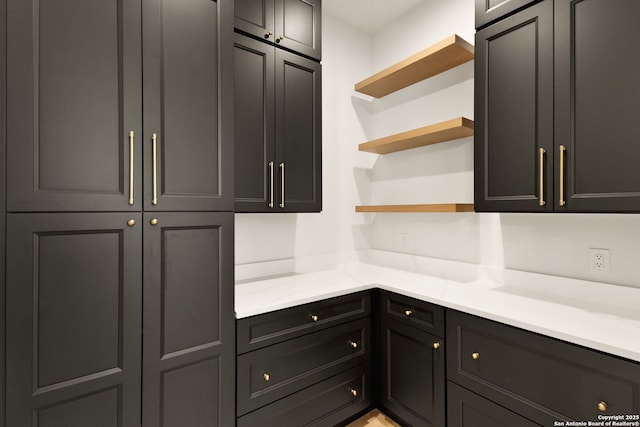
x=541 y=153
x=563 y=149
x=282 y=185
x=131 y=165
x=271 y=183
x=154 y=149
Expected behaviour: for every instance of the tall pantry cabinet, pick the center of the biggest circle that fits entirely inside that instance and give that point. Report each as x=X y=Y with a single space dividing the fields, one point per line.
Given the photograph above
x=119 y=200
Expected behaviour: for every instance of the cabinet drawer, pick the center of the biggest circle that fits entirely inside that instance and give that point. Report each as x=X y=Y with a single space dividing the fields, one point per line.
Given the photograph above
x=467 y=409
x=267 y=329
x=419 y=314
x=538 y=377
x=490 y=10
x=274 y=372
x=324 y=404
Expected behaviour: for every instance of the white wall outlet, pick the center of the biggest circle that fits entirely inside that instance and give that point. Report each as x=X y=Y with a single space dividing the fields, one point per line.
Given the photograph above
x=404 y=241
x=599 y=260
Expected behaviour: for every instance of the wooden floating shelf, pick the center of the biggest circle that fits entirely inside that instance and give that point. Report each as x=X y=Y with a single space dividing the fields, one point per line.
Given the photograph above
x=445 y=207
x=440 y=57
x=433 y=134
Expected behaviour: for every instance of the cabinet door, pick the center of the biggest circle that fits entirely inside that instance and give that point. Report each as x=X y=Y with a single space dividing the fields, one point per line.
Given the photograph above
x=73 y=320
x=490 y=10
x=413 y=374
x=256 y=17
x=298 y=26
x=467 y=409
x=255 y=169
x=298 y=133
x=73 y=97
x=188 y=324
x=514 y=112
x=597 y=99
x=188 y=94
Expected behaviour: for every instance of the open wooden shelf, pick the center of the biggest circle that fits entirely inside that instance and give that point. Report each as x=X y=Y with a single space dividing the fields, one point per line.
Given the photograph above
x=443 y=207
x=442 y=56
x=440 y=132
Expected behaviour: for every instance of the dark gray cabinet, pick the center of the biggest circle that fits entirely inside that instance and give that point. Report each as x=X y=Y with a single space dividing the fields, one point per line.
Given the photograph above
x=553 y=84
x=412 y=361
x=292 y=24
x=490 y=10
x=75 y=106
x=90 y=259
x=536 y=377
x=188 y=332
x=278 y=129
x=73 y=320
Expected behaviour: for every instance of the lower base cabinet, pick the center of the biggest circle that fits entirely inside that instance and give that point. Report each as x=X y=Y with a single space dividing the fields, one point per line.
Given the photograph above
x=467 y=409
x=324 y=363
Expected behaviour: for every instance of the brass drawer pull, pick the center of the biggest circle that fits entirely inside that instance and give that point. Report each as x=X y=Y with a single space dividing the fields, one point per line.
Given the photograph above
x=475 y=356
x=353 y=344
x=154 y=221
x=266 y=377
x=271 y=191
x=408 y=313
x=541 y=152
x=436 y=345
x=154 y=167
x=131 y=166
x=282 y=193
x=602 y=406
x=314 y=318
x=562 y=201
x=131 y=222
x=354 y=392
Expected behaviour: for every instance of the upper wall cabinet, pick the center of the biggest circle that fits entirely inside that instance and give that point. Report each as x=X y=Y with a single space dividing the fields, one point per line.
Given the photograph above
x=549 y=137
x=75 y=106
x=278 y=129
x=292 y=24
x=490 y=10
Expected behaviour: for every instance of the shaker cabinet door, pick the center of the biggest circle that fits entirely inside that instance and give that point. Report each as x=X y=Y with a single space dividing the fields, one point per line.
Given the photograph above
x=73 y=105
x=188 y=321
x=73 y=320
x=298 y=26
x=597 y=98
x=298 y=133
x=514 y=112
x=188 y=141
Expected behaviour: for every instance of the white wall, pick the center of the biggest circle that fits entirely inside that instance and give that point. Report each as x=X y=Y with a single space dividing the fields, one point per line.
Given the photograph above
x=545 y=243
x=338 y=229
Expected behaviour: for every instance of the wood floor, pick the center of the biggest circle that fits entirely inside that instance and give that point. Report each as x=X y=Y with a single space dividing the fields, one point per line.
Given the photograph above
x=374 y=418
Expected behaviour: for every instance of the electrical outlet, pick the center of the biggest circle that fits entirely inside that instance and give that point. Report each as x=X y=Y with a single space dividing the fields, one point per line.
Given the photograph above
x=599 y=261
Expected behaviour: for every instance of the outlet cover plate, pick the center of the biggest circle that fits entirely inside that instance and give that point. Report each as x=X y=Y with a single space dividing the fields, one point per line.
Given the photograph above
x=599 y=260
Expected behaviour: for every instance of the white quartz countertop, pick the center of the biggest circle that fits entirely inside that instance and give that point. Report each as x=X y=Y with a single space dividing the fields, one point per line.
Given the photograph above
x=595 y=315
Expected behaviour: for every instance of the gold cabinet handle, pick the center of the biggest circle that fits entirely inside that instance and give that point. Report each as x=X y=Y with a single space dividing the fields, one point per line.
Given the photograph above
x=131 y=222
x=271 y=180
x=279 y=39
x=541 y=153
x=602 y=406
x=154 y=221
x=475 y=356
x=353 y=392
x=131 y=165
x=563 y=149
x=436 y=345
x=269 y=34
x=353 y=344
x=282 y=188
x=154 y=167
x=408 y=313
x=266 y=377
x=314 y=318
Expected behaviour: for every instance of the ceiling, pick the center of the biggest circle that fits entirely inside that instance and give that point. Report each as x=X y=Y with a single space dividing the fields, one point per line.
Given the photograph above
x=368 y=15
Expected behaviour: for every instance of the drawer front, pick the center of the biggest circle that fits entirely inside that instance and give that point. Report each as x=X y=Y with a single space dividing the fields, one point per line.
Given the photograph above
x=467 y=409
x=516 y=367
x=270 y=328
x=324 y=404
x=490 y=10
x=274 y=372
x=419 y=314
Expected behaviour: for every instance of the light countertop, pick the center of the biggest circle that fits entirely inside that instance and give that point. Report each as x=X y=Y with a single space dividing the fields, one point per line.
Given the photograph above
x=595 y=315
